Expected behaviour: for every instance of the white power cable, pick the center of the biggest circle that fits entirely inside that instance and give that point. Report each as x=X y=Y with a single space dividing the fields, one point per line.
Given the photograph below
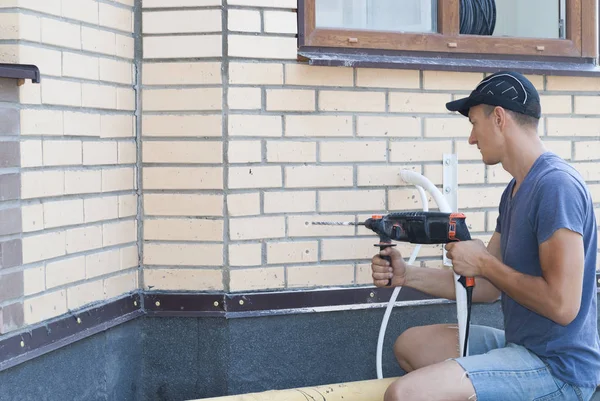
x=390 y=305
x=421 y=183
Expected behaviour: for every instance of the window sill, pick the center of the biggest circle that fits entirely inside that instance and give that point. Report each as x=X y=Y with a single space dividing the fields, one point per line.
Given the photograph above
x=447 y=62
x=20 y=72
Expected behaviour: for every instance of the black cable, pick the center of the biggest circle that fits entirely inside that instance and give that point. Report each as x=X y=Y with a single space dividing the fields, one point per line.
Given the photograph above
x=469 y=303
x=477 y=17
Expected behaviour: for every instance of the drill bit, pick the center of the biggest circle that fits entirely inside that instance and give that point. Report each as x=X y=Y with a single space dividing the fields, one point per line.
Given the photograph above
x=337 y=223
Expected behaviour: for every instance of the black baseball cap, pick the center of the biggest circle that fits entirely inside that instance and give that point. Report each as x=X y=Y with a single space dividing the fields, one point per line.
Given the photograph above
x=507 y=89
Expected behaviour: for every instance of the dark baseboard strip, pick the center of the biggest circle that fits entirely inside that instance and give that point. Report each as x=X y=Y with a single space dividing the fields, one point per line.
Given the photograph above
x=260 y=303
x=45 y=338
x=275 y=301
x=184 y=304
x=66 y=330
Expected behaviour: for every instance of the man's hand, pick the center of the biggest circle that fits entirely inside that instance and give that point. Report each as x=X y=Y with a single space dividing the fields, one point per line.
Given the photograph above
x=383 y=271
x=468 y=257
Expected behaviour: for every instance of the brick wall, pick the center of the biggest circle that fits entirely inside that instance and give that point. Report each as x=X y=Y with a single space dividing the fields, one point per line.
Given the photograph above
x=241 y=147
x=285 y=144
x=12 y=277
x=73 y=152
x=183 y=150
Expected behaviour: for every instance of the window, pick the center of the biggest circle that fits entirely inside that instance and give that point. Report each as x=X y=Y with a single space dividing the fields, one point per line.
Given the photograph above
x=525 y=29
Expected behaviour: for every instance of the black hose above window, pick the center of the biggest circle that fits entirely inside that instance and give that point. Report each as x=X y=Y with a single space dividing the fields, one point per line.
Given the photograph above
x=477 y=17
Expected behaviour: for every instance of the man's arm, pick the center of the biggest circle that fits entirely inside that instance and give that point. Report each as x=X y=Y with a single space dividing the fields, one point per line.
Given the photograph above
x=485 y=291
x=557 y=293
x=440 y=283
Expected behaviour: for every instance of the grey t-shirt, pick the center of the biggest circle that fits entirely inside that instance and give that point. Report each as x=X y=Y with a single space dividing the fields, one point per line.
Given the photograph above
x=553 y=195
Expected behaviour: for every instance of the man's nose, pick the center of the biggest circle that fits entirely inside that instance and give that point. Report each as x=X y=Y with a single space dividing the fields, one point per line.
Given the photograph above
x=472 y=140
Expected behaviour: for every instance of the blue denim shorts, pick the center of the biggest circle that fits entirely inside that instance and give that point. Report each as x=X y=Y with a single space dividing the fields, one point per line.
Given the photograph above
x=501 y=371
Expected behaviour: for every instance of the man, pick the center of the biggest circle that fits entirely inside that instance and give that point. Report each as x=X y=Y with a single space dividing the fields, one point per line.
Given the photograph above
x=540 y=260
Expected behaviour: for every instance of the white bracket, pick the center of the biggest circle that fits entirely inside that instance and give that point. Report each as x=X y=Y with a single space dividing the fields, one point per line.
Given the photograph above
x=450 y=187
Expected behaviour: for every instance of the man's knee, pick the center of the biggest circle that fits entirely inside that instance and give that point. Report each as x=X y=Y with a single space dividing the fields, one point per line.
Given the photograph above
x=426 y=345
x=405 y=347
x=442 y=381
x=401 y=390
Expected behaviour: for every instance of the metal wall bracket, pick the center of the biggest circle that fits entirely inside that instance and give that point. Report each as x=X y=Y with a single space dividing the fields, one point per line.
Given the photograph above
x=450 y=186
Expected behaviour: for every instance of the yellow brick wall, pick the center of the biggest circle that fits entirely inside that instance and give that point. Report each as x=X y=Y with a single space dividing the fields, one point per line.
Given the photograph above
x=302 y=143
x=182 y=145
x=240 y=148
x=78 y=151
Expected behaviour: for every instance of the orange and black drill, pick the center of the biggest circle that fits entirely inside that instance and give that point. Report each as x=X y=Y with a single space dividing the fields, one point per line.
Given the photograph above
x=419 y=228
x=416 y=228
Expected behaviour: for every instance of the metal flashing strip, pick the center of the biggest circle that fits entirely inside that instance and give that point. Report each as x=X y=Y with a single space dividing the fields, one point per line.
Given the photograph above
x=326 y=298
x=280 y=302
x=339 y=308
x=20 y=71
x=46 y=337
x=65 y=330
x=184 y=304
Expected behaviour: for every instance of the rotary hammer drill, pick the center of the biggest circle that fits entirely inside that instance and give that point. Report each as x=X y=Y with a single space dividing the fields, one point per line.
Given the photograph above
x=417 y=228
x=420 y=228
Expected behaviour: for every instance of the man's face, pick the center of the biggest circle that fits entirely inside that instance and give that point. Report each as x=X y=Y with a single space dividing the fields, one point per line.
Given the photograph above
x=485 y=135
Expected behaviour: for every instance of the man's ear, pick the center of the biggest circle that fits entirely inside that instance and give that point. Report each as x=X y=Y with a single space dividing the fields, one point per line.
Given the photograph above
x=499 y=117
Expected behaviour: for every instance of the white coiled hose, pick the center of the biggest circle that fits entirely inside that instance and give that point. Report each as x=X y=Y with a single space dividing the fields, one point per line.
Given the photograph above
x=423 y=184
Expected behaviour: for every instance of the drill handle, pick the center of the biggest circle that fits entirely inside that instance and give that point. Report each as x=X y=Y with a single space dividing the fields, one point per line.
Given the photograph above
x=459 y=231
x=385 y=243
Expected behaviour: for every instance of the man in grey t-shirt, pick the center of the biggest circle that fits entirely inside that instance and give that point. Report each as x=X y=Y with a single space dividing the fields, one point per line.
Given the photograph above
x=540 y=261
